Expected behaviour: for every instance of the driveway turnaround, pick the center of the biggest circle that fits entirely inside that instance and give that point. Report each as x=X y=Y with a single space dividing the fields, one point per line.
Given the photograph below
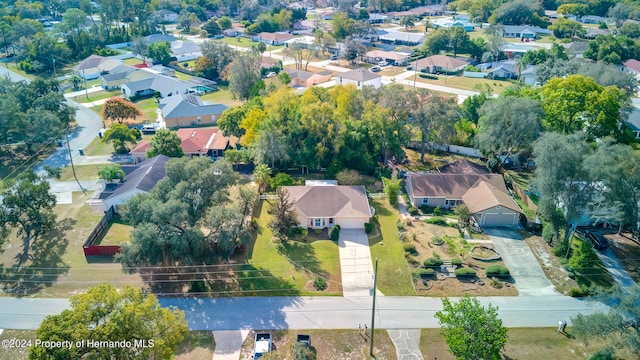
x=613 y=265
x=228 y=343
x=355 y=263
x=407 y=343
x=517 y=256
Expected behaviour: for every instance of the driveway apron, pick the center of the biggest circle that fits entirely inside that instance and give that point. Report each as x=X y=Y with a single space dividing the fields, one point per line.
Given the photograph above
x=407 y=343
x=517 y=256
x=355 y=263
x=228 y=344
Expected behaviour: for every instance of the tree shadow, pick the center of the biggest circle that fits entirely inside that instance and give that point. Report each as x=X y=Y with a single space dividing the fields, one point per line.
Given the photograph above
x=43 y=265
x=302 y=257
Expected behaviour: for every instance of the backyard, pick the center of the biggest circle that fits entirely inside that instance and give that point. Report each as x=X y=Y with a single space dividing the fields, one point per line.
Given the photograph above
x=83 y=172
x=466 y=83
x=222 y=96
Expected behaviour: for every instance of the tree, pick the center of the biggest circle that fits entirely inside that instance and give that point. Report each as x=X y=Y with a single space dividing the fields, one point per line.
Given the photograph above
x=215 y=58
x=567 y=28
x=118 y=109
x=342 y=26
x=225 y=22
x=283 y=215
x=140 y=47
x=110 y=172
x=212 y=28
x=271 y=146
x=495 y=43
x=507 y=125
x=472 y=331
x=187 y=19
x=408 y=21
x=226 y=228
x=74 y=19
x=463 y=213
x=576 y=10
x=120 y=136
x=105 y=313
x=612 y=49
x=27 y=206
x=261 y=47
x=459 y=40
x=301 y=55
x=231 y=119
x=620 y=12
x=630 y=29
x=517 y=12
x=434 y=116
x=166 y=142
x=391 y=188
x=353 y=49
x=262 y=174
x=245 y=72
x=617 y=327
x=349 y=177
x=75 y=81
x=480 y=10
x=160 y=52
x=285 y=78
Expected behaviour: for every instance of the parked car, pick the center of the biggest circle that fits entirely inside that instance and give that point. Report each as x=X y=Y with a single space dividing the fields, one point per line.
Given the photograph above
x=218 y=36
x=375 y=69
x=271 y=74
x=334 y=57
x=382 y=63
x=598 y=240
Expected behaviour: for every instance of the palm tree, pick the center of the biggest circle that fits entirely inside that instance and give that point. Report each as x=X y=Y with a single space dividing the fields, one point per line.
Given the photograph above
x=521 y=64
x=408 y=21
x=111 y=172
x=262 y=174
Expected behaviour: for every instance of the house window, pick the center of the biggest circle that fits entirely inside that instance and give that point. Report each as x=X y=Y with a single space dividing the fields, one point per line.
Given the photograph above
x=318 y=222
x=199 y=118
x=425 y=201
x=358 y=83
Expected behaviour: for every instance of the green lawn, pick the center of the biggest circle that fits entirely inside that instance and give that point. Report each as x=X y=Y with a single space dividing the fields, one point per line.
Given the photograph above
x=83 y=172
x=148 y=107
x=285 y=269
x=132 y=61
x=223 y=96
x=118 y=231
x=99 y=95
x=466 y=83
x=97 y=147
x=394 y=278
x=240 y=41
x=522 y=343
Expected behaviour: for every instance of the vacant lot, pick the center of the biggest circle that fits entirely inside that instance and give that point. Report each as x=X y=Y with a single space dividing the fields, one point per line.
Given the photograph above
x=149 y=109
x=523 y=343
x=426 y=237
x=97 y=147
x=57 y=266
x=394 y=278
x=327 y=344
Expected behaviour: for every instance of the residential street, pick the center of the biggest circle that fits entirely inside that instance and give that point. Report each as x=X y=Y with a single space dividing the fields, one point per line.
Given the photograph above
x=317 y=312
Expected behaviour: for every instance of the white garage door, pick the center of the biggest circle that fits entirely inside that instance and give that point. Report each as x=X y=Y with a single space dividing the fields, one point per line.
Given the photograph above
x=506 y=219
x=351 y=223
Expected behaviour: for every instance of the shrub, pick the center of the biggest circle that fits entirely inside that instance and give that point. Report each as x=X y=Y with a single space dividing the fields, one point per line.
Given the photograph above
x=281 y=179
x=317 y=231
x=437 y=211
x=464 y=272
x=334 y=234
x=349 y=177
x=410 y=248
x=576 y=292
x=199 y=286
x=413 y=211
x=399 y=225
x=425 y=209
x=428 y=76
x=412 y=261
x=368 y=228
x=432 y=262
x=319 y=283
x=437 y=220
x=425 y=273
x=496 y=283
x=547 y=233
x=456 y=261
x=606 y=353
x=304 y=232
x=437 y=240
x=497 y=270
x=560 y=249
x=402 y=236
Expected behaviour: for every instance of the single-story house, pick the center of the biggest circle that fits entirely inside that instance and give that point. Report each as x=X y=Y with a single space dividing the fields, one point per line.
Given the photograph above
x=272 y=38
x=392 y=57
x=326 y=15
x=592 y=32
x=359 y=77
x=633 y=67
x=164 y=85
x=234 y=31
x=268 y=62
x=305 y=42
x=400 y=37
x=440 y=63
x=95 y=65
x=139 y=152
x=576 y=48
x=508 y=69
x=323 y=206
x=512 y=50
x=160 y=70
x=139 y=181
x=116 y=77
x=189 y=110
x=167 y=16
x=593 y=19
x=375 y=18
x=307 y=79
x=448 y=22
x=185 y=50
x=524 y=31
x=153 y=38
x=485 y=194
x=205 y=142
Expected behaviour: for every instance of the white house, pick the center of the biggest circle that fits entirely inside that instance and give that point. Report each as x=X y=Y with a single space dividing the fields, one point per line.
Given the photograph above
x=359 y=77
x=95 y=65
x=167 y=16
x=322 y=206
x=164 y=85
x=185 y=50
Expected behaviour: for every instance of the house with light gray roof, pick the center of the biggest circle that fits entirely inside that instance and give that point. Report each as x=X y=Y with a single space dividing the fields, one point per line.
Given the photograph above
x=359 y=77
x=164 y=85
x=189 y=110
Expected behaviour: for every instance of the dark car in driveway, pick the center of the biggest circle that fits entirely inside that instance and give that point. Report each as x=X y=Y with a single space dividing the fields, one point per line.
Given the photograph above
x=598 y=240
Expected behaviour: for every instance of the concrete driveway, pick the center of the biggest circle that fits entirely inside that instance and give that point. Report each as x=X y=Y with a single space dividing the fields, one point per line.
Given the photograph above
x=355 y=263
x=615 y=268
x=517 y=256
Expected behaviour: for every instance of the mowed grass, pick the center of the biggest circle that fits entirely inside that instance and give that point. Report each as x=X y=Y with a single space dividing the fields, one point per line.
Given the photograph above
x=118 y=231
x=149 y=109
x=466 y=83
x=83 y=172
x=285 y=269
x=98 y=95
x=522 y=343
x=222 y=96
x=394 y=278
x=239 y=41
x=97 y=147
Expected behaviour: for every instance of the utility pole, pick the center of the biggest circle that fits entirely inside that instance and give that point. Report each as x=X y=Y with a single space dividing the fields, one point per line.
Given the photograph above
x=415 y=73
x=84 y=78
x=373 y=308
x=73 y=169
x=54 y=67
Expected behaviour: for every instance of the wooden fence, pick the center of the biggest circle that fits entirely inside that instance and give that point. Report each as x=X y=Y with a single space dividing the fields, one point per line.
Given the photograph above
x=89 y=248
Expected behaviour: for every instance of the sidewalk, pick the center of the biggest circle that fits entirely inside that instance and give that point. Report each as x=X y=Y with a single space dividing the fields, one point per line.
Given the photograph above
x=83 y=92
x=407 y=343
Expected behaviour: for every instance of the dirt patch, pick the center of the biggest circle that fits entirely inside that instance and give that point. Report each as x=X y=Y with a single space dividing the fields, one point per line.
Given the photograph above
x=550 y=263
x=422 y=236
x=327 y=345
x=628 y=253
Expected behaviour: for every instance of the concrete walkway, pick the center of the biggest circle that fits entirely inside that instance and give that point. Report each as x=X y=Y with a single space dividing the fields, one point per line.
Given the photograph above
x=407 y=343
x=517 y=256
x=355 y=263
x=613 y=265
x=228 y=343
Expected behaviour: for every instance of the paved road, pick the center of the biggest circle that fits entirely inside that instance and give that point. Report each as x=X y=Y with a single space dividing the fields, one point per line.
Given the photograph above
x=317 y=312
x=517 y=256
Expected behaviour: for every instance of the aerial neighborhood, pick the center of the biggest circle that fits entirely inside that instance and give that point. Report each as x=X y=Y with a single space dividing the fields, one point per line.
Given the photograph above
x=320 y=179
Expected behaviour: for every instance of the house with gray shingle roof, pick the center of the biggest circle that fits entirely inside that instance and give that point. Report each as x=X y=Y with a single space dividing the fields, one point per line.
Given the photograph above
x=359 y=77
x=189 y=110
x=164 y=85
x=523 y=31
x=92 y=67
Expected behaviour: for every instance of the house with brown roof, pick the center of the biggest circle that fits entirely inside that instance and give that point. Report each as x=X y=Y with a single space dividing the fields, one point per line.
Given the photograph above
x=300 y=78
x=392 y=57
x=440 y=63
x=485 y=195
x=322 y=206
x=272 y=38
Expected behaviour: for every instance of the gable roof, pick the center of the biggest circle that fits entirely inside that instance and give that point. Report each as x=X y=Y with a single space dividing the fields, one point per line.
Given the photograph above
x=141 y=147
x=184 y=105
x=359 y=74
x=463 y=166
x=514 y=29
x=156 y=82
x=483 y=195
x=145 y=177
x=184 y=47
x=442 y=61
x=119 y=72
x=393 y=35
x=97 y=62
x=450 y=186
x=393 y=55
x=159 y=37
x=202 y=139
x=330 y=201
x=274 y=36
x=632 y=64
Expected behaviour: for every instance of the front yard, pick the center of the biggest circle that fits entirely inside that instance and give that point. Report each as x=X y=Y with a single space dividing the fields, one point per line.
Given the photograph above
x=99 y=95
x=466 y=83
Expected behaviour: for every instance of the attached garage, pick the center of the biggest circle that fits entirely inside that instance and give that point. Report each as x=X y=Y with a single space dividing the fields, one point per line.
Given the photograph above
x=497 y=216
x=352 y=223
